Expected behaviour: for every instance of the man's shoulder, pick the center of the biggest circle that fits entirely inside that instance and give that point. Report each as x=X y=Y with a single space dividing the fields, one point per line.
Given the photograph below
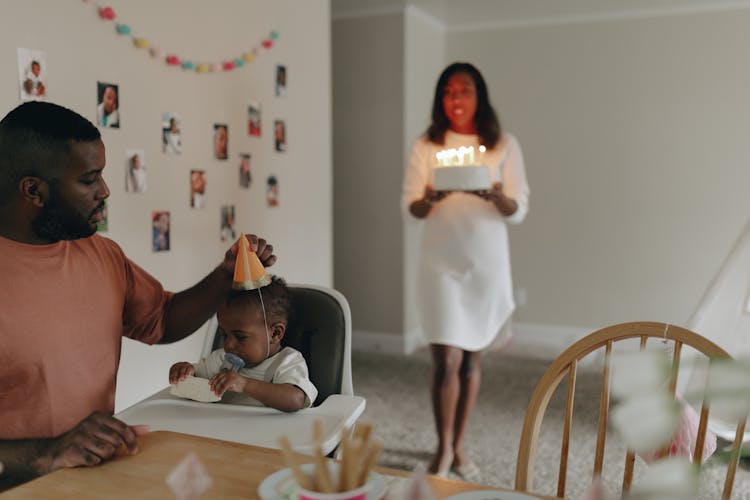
x=98 y=241
x=100 y=245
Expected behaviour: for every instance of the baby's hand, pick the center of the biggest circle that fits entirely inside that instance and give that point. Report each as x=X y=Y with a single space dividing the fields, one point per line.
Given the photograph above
x=227 y=381
x=180 y=371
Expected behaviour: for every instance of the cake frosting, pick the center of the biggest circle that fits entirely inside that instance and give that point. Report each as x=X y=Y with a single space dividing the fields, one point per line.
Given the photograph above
x=462 y=178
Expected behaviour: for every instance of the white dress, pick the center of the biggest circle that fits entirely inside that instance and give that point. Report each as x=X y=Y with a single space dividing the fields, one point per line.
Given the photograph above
x=464 y=285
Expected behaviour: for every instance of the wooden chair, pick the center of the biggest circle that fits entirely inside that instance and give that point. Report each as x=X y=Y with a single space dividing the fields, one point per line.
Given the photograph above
x=566 y=365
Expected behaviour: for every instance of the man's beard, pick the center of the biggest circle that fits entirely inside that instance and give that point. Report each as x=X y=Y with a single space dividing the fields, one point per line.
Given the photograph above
x=58 y=220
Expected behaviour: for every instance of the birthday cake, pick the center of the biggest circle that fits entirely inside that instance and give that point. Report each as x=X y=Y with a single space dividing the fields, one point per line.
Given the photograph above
x=462 y=178
x=457 y=170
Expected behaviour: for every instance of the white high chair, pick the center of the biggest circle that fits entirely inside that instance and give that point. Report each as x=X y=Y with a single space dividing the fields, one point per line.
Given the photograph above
x=320 y=329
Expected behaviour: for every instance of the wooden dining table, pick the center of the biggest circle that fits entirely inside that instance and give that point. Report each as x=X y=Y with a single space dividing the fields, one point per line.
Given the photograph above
x=236 y=470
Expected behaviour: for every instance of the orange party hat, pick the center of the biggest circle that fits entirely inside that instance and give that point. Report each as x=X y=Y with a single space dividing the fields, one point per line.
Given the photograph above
x=249 y=273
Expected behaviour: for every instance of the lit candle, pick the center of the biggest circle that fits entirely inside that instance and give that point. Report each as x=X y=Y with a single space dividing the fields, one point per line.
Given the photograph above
x=456 y=157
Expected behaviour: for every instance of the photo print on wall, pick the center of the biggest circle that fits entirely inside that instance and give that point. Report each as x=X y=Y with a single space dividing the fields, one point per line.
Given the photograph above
x=227 y=232
x=108 y=105
x=171 y=138
x=245 y=173
x=197 y=188
x=221 y=141
x=160 y=222
x=253 y=119
x=272 y=191
x=135 y=171
x=32 y=74
x=280 y=81
x=279 y=135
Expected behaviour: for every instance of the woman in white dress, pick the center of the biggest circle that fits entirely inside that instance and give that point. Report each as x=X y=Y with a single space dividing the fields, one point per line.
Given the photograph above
x=464 y=283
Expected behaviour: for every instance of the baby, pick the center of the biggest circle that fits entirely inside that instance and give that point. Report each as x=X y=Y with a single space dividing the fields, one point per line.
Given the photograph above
x=272 y=376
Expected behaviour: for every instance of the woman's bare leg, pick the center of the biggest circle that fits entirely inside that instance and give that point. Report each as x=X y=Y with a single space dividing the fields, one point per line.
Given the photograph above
x=445 y=395
x=470 y=376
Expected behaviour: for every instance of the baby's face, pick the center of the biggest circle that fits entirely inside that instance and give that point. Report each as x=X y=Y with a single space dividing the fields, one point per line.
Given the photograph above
x=245 y=331
x=109 y=99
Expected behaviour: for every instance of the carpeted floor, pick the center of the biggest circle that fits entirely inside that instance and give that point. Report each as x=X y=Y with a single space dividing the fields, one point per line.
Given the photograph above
x=398 y=404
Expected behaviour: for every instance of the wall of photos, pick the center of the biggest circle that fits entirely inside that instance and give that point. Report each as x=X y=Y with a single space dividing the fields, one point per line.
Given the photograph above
x=194 y=153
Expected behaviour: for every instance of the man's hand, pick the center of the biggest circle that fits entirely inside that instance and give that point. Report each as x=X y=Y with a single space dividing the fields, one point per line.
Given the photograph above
x=227 y=381
x=189 y=309
x=180 y=371
x=91 y=442
x=261 y=247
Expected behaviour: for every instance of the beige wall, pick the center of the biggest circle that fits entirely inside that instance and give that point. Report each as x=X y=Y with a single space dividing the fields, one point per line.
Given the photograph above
x=82 y=49
x=635 y=136
x=424 y=50
x=368 y=79
x=633 y=131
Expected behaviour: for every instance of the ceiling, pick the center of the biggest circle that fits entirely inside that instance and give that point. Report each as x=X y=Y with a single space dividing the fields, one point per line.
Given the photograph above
x=475 y=14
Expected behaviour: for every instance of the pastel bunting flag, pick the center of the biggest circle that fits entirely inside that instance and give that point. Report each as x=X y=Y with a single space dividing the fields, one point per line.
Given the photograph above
x=107 y=13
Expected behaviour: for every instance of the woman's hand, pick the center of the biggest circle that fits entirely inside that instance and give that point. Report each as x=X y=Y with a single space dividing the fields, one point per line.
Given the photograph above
x=432 y=196
x=180 y=371
x=506 y=206
x=227 y=381
x=420 y=208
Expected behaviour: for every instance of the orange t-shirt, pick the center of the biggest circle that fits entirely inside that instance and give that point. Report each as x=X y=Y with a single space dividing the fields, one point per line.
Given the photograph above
x=64 y=308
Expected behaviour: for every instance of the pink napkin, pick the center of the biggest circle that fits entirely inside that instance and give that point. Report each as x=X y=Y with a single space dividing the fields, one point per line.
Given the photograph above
x=189 y=479
x=597 y=491
x=683 y=440
x=415 y=488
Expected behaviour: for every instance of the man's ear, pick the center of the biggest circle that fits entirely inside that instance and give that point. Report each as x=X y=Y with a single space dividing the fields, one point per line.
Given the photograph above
x=34 y=190
x=278 y=330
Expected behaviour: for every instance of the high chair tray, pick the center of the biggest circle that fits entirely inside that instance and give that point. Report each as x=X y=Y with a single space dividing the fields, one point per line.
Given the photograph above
x=259 y=426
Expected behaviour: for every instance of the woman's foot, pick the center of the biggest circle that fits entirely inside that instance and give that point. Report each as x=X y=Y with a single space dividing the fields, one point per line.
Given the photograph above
x=465 y=467
x=441 y=463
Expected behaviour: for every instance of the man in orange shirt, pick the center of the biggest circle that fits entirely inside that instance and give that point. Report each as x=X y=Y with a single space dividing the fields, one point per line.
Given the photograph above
x=69 y=296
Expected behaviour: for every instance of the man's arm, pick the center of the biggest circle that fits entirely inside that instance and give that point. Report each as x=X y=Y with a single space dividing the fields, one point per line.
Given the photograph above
x=91 y=442
x=189 y=309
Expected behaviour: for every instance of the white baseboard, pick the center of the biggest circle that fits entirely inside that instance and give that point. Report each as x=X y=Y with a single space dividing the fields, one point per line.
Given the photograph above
x=388 y=343
x=540 y=341
x=529 y=340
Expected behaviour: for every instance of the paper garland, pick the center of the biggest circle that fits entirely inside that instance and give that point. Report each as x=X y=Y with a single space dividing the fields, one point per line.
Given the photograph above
x=172 y=59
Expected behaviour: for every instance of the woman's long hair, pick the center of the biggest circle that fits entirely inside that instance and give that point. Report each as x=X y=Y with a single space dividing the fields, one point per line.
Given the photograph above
x=485 y=119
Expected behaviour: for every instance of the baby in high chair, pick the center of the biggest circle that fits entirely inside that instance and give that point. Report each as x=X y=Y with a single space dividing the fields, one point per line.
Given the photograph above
x=253 y=323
